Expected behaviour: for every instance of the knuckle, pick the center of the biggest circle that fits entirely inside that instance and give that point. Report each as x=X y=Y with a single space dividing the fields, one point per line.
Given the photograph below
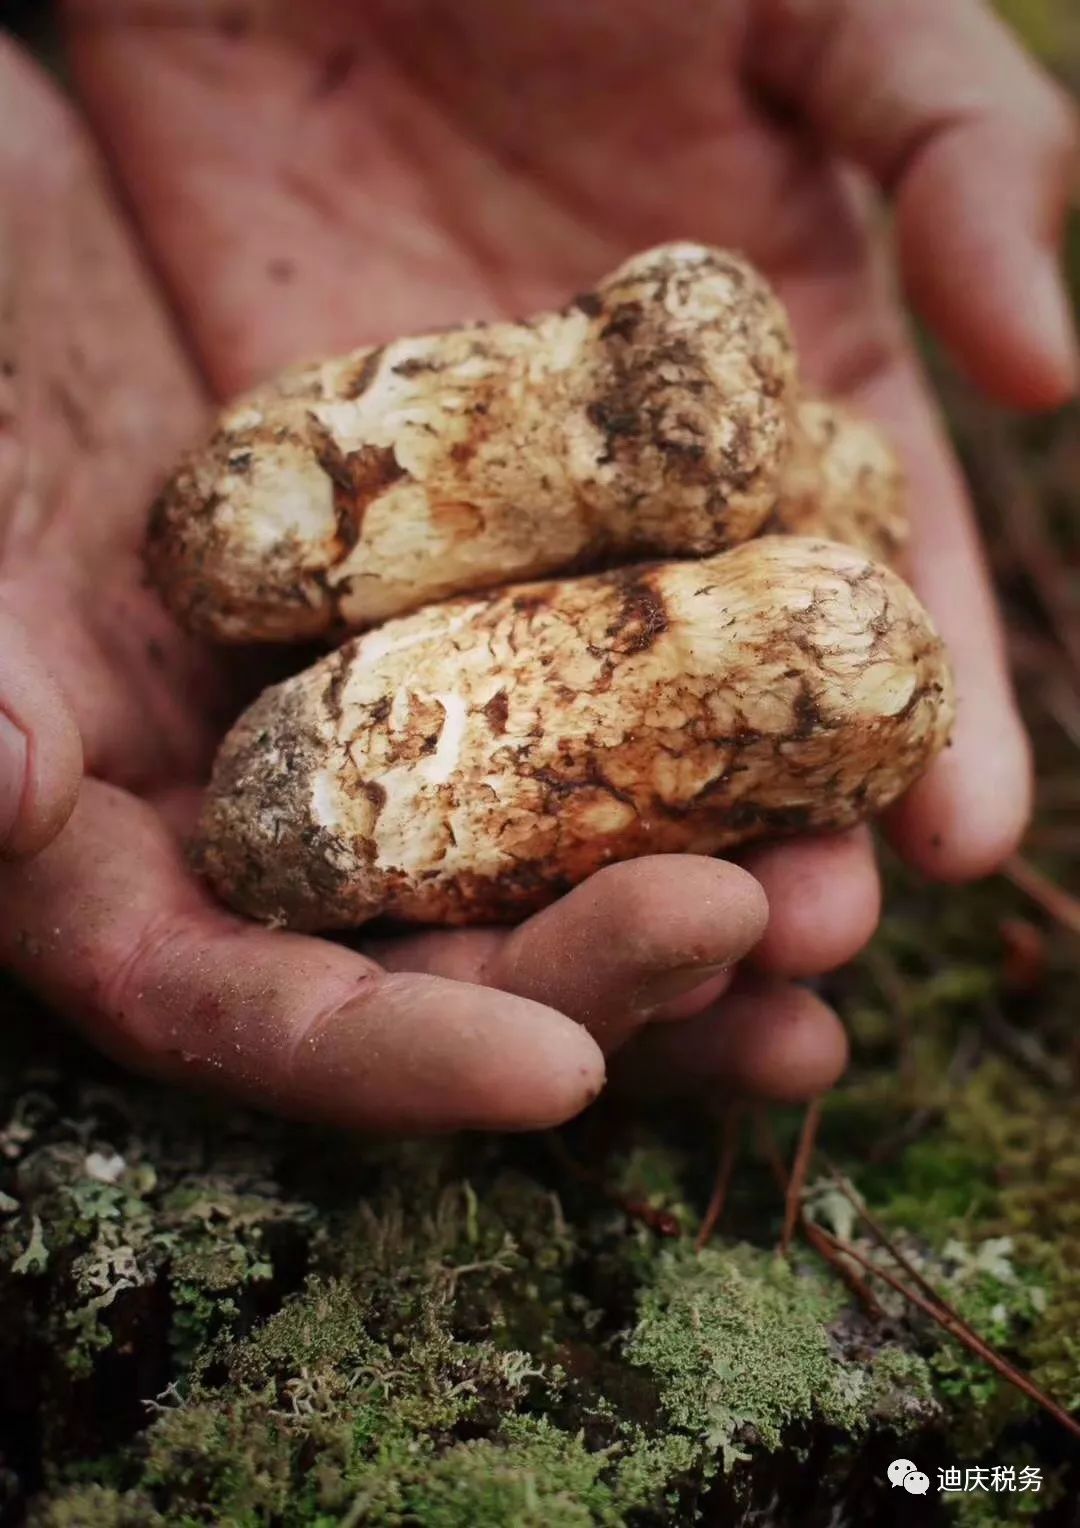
x=363 y=1009
x=129 y=995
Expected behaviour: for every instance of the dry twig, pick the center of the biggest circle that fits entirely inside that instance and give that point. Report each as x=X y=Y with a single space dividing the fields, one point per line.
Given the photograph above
x=935 y=1305
x=662 y=1222
x=950 y=1321
x=840 y=1254
x=1045 y=893
x=804 y=1153
x=766 y=1141
x=733 y=1120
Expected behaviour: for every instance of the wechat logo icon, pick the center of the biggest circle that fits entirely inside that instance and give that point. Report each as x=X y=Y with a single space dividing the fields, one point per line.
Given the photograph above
x=902 y=1472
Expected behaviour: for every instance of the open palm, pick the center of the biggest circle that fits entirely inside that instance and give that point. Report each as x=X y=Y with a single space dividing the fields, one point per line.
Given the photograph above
x=320 y=176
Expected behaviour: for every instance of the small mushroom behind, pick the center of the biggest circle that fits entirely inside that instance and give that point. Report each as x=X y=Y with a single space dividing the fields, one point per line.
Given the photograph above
x=842 y=481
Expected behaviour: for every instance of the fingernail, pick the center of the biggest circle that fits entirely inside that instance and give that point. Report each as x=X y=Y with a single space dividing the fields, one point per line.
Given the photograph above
x=13 y=752
x=668 y=985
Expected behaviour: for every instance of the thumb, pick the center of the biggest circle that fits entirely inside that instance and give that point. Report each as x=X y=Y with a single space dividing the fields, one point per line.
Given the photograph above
x=40 y=748
x=977 y=148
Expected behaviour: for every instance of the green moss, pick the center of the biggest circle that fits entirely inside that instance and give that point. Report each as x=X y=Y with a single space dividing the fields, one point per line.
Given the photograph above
x=95 y=1506
x=901 y=1390
x=944 y=1183
x=1039 y=1206
x=480 y=1336
x=740 y=1345
x=531 y=1474
x=1039 y=23
x=1000 y=1170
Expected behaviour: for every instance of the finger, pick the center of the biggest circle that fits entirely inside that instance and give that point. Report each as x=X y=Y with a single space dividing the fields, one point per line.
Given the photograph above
x=824 y=899
x=988 y=278
x=618 y=949
x=970 y=810
x=764 y=1039
x=96 y=399
x=108 y=926
x=978 y=149
x=40 y=748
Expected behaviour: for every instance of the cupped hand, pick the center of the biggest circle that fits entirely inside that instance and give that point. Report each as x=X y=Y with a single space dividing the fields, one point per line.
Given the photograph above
x=332 y=173
x=480 y=1028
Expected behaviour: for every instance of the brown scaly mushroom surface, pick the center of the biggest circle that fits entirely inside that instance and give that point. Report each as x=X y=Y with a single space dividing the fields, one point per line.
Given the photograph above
x=650 y=418
x=471 y=761
x=842 y=481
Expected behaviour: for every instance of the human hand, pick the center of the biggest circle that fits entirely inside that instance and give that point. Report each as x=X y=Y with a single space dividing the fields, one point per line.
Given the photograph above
x=333 y=173
x=329 y=174
x=40 y=747
x=477 y=179
x=480 y=1028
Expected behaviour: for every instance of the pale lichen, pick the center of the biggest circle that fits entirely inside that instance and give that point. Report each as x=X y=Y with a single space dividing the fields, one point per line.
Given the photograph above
x=743 y=1346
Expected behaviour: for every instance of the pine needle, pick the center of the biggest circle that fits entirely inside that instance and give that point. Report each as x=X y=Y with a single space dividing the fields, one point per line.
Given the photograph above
x=729 y=1150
